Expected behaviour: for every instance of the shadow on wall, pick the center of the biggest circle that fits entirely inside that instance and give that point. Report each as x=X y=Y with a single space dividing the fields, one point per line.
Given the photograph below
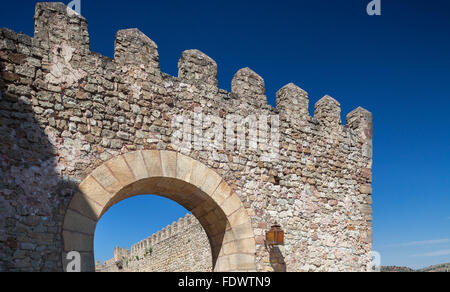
x=33 y=195
x=277 y=259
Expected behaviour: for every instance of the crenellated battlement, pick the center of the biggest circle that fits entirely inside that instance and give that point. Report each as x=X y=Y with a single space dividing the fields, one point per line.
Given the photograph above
x=181 y=226
x=328 y=111
x=293 y=100
x=195 y=66
x=55 y=23
x=65 y=33
x=132 y=47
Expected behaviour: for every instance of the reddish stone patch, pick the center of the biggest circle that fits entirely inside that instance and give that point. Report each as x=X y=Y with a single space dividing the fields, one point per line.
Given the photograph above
x=366 y=172
x=9 y=76
x=11 y=243
x=260 y=239
x=332 y=203
x=16 y=58
x=262 y=225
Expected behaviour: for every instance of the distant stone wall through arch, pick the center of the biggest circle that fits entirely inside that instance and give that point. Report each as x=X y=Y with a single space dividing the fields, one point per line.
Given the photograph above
x=182 y=246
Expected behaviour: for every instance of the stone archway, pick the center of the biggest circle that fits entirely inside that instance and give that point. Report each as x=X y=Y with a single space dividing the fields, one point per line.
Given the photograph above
x=175 y=176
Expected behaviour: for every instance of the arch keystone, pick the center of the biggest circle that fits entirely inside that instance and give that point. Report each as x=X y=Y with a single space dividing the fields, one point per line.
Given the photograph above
x=198 y=175
x=169 y=163
x=139 y=168
x=153 y=162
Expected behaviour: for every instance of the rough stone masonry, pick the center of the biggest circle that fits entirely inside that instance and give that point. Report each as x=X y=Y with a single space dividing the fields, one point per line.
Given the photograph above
x=78 y=135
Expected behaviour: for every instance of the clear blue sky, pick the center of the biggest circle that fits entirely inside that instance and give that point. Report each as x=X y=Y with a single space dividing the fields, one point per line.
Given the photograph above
x=396 y=65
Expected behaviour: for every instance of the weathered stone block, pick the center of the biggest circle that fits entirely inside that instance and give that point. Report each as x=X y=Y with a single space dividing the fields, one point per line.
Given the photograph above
x=137 y=165
x=74 y=241
x=222 y=192
x=96 y=188
x=74 y=221
x=86 y=206
x=169 y=163
x=230 y=205
x=153 y=161
x=184 y=167
x=120 y=170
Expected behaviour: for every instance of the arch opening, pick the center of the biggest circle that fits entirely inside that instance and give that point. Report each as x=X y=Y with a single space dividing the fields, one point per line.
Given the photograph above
x=175 y=176
x=150 y=233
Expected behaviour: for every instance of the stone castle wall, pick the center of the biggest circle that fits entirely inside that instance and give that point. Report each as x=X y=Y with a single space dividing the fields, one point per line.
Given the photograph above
x=64 y=111
x=180 y=247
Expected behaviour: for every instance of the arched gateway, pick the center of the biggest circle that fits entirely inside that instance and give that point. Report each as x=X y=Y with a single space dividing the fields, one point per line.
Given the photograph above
x=172 y=175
